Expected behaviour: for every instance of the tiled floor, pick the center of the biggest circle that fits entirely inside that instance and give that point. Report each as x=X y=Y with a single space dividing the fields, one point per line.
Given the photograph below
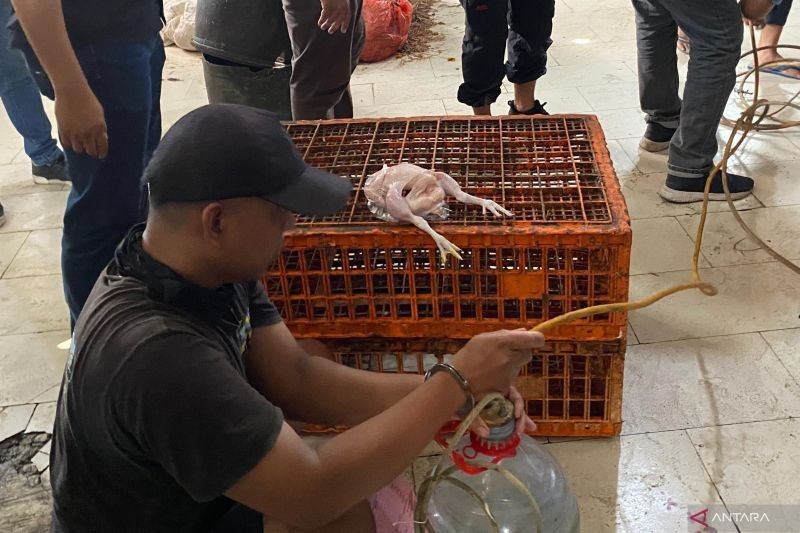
x=711 y=384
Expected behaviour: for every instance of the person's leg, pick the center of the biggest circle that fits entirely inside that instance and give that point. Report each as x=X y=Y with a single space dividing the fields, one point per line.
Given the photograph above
x=771 y=35
x=482 y=51
x=344 y=109
x=105 y=198
x=715 y=28
x=321 y=63
x=531 y=24
x=656 y=37
x=157 y=59
x=22 y=100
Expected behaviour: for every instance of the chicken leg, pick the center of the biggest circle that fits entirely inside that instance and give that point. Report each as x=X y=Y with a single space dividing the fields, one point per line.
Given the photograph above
x=452 y=188
x=397 y=205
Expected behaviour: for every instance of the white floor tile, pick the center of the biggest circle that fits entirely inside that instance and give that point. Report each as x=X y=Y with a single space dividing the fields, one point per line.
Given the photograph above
x=14 y=419
x=582 y=54
x=41 y=461
x=39 y=256
x=10 y=243
x=752 y=463
x=422 y=108
x=611 y=96
x=751 y=298
x=786 y=345
x=31 y=305
x=411 y=91
x=43 y=418
x=635 y=483
x=660 y=245
x=40 y=210
x=621 y=123
x=17 y=179
x=31 y=365
x=705 y=382
x=726 y=243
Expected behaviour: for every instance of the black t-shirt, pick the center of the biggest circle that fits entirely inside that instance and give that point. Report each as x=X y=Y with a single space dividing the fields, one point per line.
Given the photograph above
x=156 y=419
x=97 y=21
x=101 y=21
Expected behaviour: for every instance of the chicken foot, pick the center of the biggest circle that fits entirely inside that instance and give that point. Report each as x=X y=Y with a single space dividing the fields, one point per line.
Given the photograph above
x=452 y=188
x=400 y=210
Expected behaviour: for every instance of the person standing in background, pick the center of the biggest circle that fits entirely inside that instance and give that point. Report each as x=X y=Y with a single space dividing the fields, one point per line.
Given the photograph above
x=23 y=104
x=327 y=37
x=688 y=128
x=526 y=25
x=101 y=60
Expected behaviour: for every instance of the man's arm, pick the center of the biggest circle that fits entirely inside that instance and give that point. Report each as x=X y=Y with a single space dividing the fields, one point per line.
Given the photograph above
x=310 y=488
x=315 y=389
x=81 y=123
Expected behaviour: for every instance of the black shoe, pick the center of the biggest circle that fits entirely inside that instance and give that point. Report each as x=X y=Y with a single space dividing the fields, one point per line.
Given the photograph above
x=2 y=215
x=537 y=109
x=686 y=190
x=55 y=172
x=656 y=137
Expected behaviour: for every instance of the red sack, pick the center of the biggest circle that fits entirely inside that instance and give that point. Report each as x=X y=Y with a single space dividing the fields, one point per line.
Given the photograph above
x=386 y=24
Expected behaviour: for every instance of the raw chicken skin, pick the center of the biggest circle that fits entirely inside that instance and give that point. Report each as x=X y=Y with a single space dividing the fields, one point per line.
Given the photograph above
x=408 y=193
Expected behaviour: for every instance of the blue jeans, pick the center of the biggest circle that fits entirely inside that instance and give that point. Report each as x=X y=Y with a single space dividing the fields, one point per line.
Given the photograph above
x=106 y=197
x=715 y=29
x=22 y=100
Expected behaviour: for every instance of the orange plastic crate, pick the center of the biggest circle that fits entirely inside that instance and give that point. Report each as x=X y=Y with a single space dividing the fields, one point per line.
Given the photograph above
x=351 y=275
x=571 y=388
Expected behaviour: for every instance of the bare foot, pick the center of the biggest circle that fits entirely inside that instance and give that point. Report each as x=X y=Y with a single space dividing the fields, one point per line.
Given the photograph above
x=766 y=56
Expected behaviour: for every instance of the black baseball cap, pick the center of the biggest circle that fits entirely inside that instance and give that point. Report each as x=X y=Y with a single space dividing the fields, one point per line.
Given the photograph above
x=223 y=151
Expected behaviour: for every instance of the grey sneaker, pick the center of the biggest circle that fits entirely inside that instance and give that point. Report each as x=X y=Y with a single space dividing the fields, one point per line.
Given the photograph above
x=55 y=172
x=2 y=215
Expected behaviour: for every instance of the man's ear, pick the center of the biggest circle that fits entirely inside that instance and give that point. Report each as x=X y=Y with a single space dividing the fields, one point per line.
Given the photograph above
x=213 y=224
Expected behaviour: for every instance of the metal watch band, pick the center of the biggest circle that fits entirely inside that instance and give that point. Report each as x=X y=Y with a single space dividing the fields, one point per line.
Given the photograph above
x=462 y=382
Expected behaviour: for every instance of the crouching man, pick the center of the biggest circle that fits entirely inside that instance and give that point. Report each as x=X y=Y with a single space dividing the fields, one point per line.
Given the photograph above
x=172 y=410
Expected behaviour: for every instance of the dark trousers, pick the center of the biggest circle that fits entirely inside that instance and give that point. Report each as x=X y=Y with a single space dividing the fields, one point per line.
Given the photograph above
x=106 y=197
x=322 y=63
x=780 y=13
x=525 y=25
x=715 y=29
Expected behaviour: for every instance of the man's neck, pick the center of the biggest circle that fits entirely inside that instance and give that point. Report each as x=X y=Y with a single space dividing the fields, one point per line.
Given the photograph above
x=178 y=254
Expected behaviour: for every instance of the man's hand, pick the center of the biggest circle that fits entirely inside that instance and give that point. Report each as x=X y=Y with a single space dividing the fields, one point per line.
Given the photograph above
x=81 y=122
x=335 y=16
x=523 y=422
x=754 y=11
x=491 y=361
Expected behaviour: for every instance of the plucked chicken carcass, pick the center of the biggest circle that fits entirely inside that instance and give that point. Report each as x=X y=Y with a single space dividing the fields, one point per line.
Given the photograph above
x=408 y=193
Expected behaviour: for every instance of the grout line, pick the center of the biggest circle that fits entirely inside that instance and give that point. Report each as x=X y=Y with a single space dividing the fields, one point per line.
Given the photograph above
x=729 y=424
x=3 y=273
x=635 y=336
x=708 y=474
x=66 y=330
x=775 y=353
x=754 y=332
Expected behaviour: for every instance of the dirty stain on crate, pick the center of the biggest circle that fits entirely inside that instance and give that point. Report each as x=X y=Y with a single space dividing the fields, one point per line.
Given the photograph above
x=350 y=275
